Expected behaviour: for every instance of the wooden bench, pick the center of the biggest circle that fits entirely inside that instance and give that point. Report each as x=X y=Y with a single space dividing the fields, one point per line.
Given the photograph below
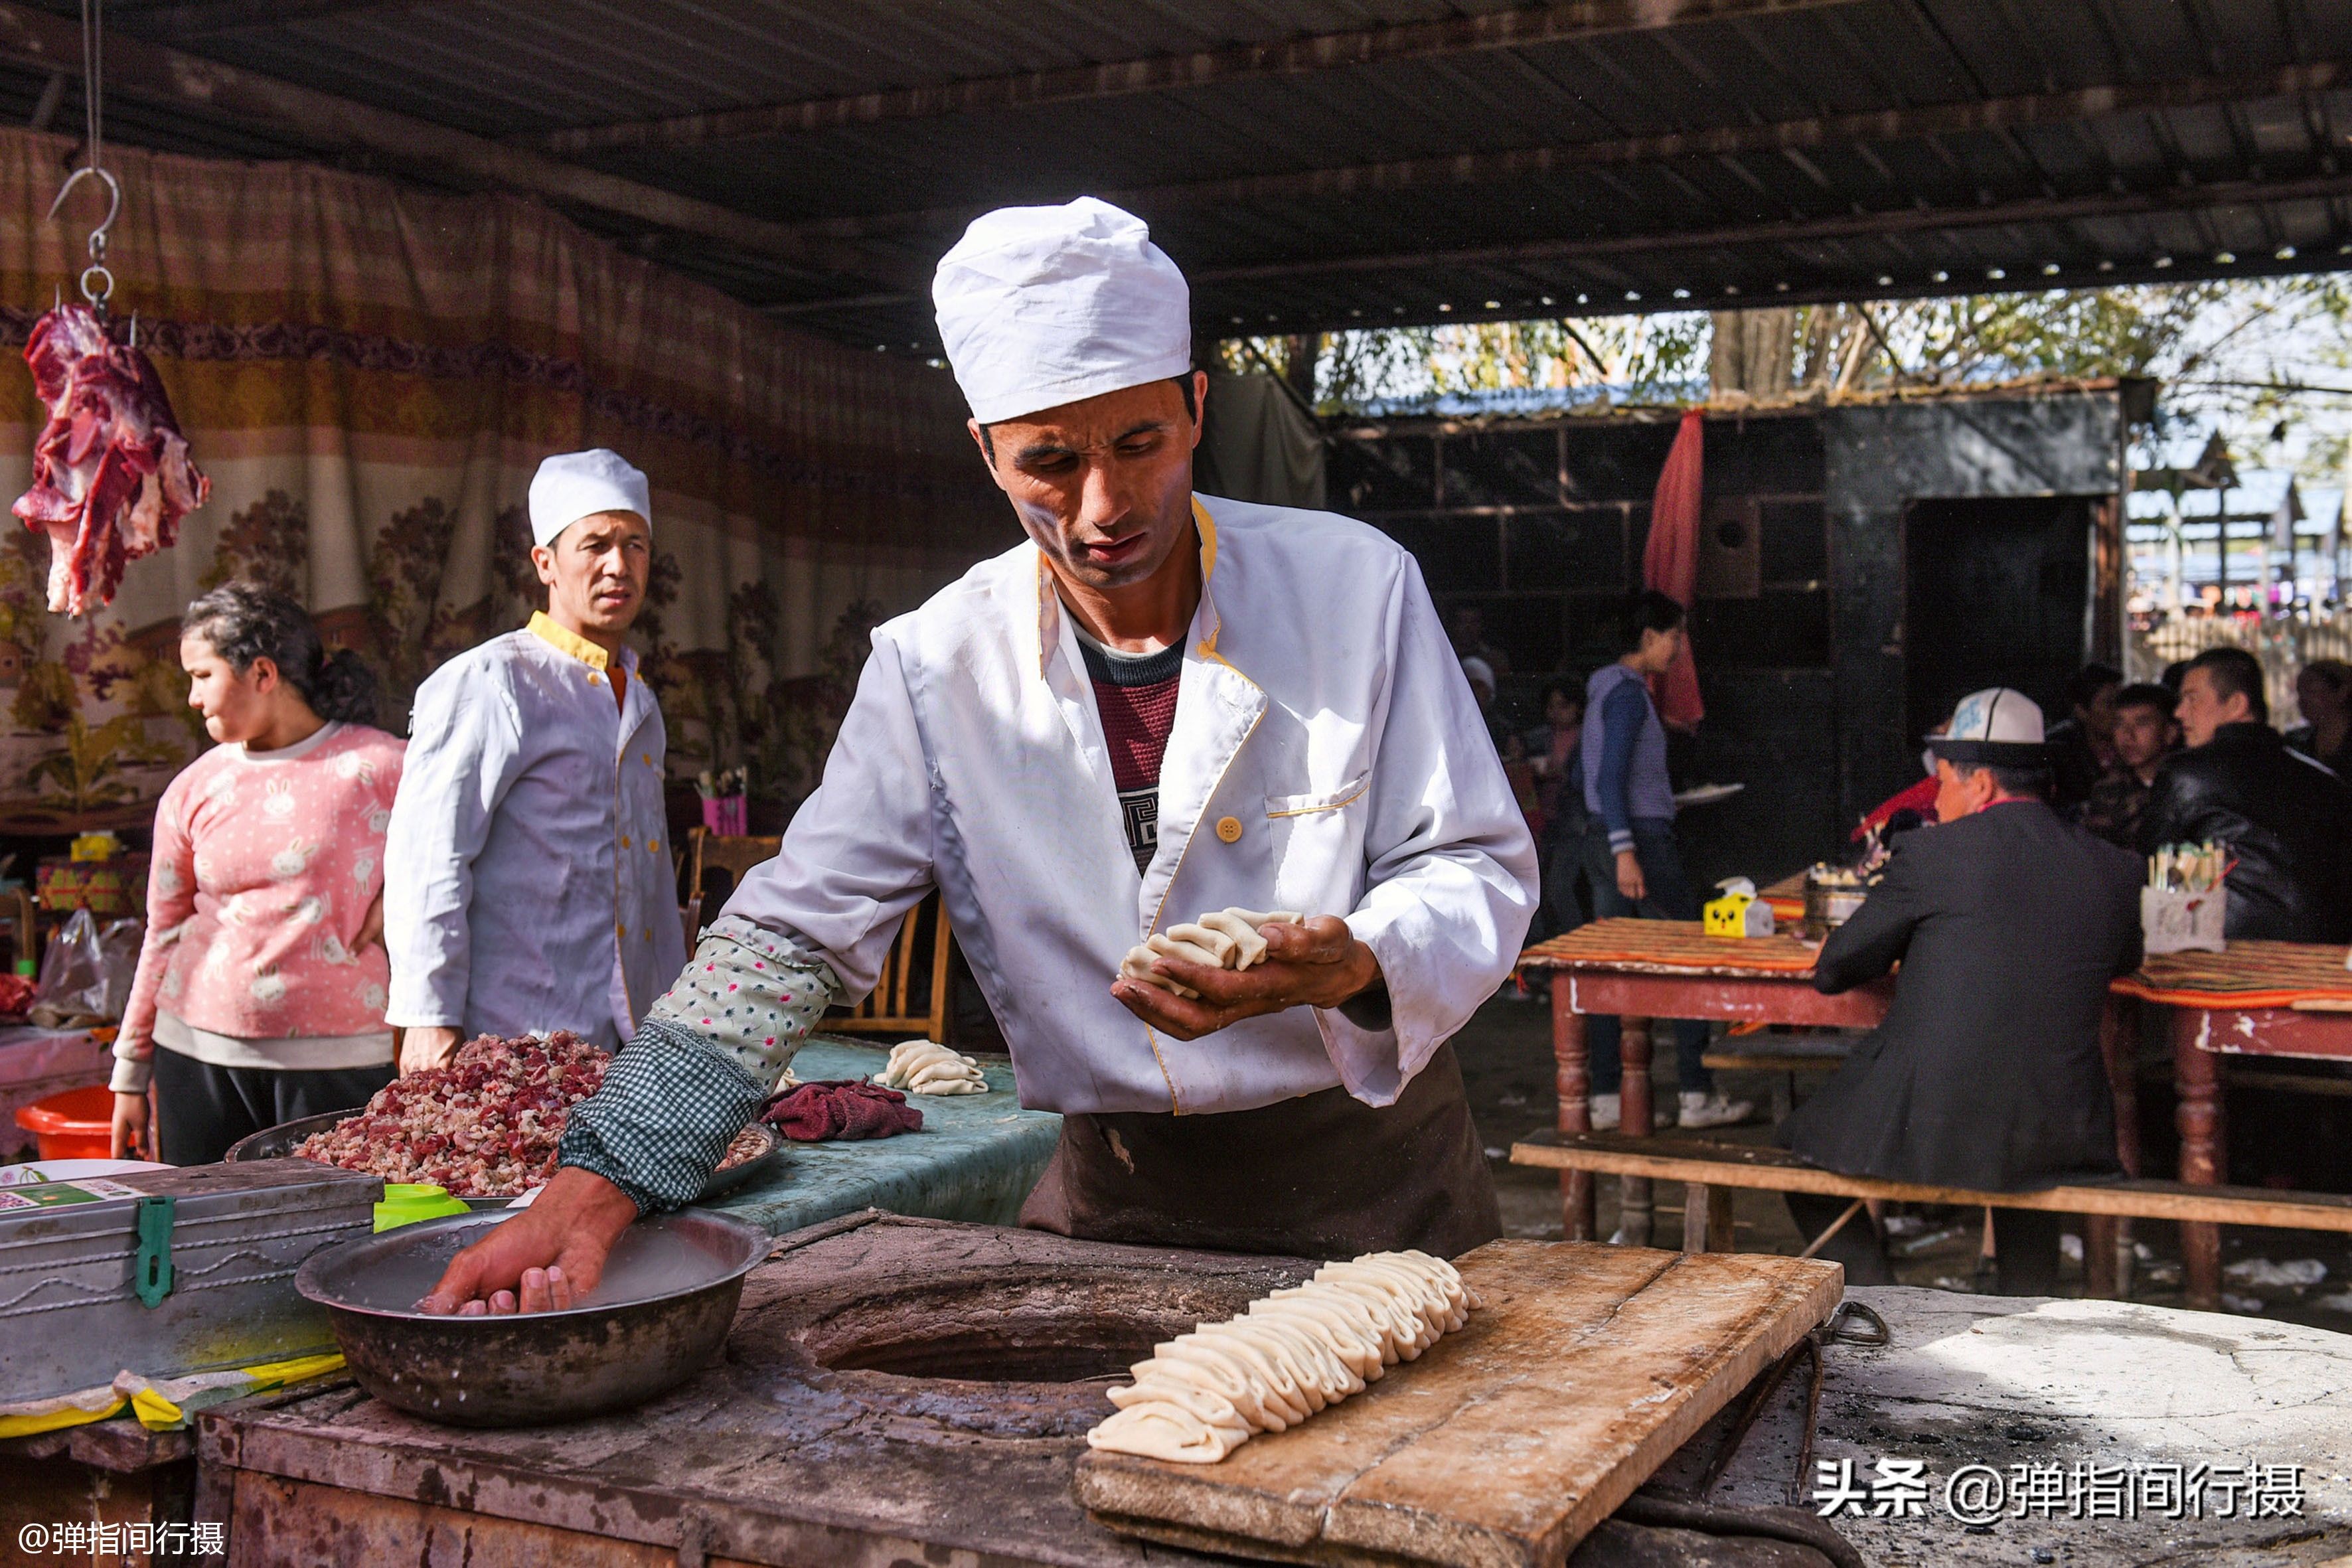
x=1709 y=1170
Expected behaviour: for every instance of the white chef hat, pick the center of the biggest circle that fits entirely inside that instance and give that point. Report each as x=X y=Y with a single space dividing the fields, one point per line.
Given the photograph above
x=569 y=486
x=1043 y=306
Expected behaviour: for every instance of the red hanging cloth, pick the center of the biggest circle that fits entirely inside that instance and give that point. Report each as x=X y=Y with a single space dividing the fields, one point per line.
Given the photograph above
x=1670 y=564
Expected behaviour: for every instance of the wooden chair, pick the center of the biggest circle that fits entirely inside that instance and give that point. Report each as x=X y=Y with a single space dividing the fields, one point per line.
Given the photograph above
x=711 y=851
x=888 y=1010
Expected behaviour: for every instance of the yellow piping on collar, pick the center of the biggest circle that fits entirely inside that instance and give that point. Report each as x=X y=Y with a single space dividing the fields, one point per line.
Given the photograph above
x=564 y=640
x=1045 y=603
x=1049 y=598
x=1207 y=526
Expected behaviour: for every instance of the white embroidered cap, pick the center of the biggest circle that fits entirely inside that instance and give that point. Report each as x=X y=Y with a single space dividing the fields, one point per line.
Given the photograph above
x=569 y=486
x=1043 y=306
x=1998 y=726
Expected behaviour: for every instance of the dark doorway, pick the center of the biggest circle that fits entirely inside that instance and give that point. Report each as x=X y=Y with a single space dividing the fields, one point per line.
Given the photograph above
x=1996 y=594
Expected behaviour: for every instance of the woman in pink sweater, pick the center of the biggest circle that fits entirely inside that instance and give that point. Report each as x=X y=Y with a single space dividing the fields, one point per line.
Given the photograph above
x=260 y=990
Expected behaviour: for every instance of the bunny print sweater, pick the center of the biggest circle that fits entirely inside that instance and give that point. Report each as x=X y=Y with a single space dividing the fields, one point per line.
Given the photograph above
x=265 y=866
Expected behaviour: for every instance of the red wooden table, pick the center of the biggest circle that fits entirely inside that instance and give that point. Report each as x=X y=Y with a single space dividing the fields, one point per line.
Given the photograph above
x=2258 y=998
x=1641 y=970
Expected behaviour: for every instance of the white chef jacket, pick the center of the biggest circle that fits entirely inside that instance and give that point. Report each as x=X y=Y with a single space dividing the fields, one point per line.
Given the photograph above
x=528 y=881
x=1326 y=757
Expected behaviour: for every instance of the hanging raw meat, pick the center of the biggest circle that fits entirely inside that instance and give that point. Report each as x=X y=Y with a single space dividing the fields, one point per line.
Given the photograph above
x=111 y=476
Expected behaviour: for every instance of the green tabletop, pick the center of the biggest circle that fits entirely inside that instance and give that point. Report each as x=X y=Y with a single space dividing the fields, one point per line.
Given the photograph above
x=975 y=1159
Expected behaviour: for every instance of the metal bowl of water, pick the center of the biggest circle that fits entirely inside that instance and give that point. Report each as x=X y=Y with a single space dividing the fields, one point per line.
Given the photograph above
x=658 y=1315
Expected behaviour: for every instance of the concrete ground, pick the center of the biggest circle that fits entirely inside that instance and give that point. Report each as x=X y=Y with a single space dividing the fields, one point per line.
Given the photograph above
x=1507 y=1063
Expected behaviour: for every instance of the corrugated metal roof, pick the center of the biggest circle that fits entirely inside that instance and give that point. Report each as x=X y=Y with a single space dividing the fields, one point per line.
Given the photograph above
x=1497 y=181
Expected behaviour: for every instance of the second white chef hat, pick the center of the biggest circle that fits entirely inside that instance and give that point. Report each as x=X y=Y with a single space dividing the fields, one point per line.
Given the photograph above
x=570 y=486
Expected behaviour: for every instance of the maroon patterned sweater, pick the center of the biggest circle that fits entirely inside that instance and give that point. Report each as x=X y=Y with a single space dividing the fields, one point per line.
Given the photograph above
x=1136 y=695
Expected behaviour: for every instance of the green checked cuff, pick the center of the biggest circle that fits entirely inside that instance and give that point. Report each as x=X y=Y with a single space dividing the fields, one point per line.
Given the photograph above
x=661 y=1124
x=707 y=1055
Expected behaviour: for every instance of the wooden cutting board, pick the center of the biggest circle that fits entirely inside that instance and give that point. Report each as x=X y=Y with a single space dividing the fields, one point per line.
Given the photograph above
x=1508 y=1440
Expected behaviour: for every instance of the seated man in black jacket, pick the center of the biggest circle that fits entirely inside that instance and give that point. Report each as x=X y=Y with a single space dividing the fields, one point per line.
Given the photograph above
x=2286 y=819
x=2009 y=922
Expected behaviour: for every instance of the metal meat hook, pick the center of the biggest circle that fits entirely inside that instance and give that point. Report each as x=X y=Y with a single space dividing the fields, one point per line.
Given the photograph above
x=96 y=282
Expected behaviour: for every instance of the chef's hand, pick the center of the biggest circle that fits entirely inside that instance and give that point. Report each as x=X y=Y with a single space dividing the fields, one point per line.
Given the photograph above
x=1316 y=964
x=130 y=1139
x=427 y=1048
x=1629 y=876
x=542 y=1260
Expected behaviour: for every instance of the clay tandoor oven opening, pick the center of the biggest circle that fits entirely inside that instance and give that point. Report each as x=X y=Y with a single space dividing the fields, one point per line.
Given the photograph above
x=1020 y=1326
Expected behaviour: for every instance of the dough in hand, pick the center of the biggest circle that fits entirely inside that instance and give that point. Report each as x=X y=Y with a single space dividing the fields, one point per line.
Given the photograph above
x=1215 y=946
x=1205 y=1394
x=1137 y=965
x=920 y=1066
x=1242 y=925
x=1225 y=939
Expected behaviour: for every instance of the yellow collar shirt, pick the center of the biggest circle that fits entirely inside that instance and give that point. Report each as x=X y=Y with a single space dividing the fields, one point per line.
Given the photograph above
x=528 y=876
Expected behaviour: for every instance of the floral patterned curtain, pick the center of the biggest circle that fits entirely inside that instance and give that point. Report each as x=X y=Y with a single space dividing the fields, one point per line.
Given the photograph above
x=370 y=373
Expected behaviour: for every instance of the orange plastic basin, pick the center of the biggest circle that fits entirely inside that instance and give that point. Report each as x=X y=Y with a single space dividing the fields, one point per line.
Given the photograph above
x=76 y=1125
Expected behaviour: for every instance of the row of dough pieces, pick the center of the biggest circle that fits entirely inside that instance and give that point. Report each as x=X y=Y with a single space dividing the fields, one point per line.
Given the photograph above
x=1227 y=939
x=919 y=1066
x=1205 y=1394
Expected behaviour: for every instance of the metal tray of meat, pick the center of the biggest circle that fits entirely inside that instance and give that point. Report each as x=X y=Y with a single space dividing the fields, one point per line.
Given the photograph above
x=279 y=1143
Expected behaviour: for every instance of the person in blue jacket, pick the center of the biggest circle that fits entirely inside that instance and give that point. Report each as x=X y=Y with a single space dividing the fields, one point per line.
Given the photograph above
x=1629 y=855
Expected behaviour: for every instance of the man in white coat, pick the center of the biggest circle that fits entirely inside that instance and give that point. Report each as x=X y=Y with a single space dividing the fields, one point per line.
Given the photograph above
x=529 y=884
x=1160 y=705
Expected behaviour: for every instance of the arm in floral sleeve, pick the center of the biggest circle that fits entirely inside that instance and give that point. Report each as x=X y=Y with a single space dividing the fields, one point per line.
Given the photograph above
x=171 y=902
x=707 y=1054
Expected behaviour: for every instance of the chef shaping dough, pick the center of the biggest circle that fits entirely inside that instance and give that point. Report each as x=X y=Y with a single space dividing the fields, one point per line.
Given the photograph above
x=920 y=1066
x=1205 y=1394
x=1225 y=939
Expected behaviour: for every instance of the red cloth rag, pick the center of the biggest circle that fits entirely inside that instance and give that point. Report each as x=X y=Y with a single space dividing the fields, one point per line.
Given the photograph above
x=841 y=1107
x=1670 y=564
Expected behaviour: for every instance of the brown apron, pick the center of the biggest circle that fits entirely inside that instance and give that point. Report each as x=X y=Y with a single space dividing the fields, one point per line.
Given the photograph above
x=1324 y=1175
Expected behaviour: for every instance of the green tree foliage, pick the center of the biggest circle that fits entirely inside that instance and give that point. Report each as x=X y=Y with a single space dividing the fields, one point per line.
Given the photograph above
x=1638 y=359
x=2239 y=355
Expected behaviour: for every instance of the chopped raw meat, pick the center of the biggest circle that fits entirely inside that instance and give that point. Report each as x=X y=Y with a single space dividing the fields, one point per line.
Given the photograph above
x=485 y=1126
x=748 y=1144
x=111 y=476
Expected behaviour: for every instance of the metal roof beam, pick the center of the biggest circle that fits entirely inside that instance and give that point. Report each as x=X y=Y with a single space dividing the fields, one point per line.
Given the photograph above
x=1595 y=249
x=308 y=118
x=1788 y=137
x=1842 y=226
x=200 y=18
x=1574 y=21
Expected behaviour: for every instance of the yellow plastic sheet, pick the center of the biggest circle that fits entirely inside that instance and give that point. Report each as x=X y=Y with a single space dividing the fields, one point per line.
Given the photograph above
x=160 y=1403
x=65 y=1410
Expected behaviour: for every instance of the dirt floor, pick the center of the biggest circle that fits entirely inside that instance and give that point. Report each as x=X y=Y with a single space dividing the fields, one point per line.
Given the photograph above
x=1505 y=1053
